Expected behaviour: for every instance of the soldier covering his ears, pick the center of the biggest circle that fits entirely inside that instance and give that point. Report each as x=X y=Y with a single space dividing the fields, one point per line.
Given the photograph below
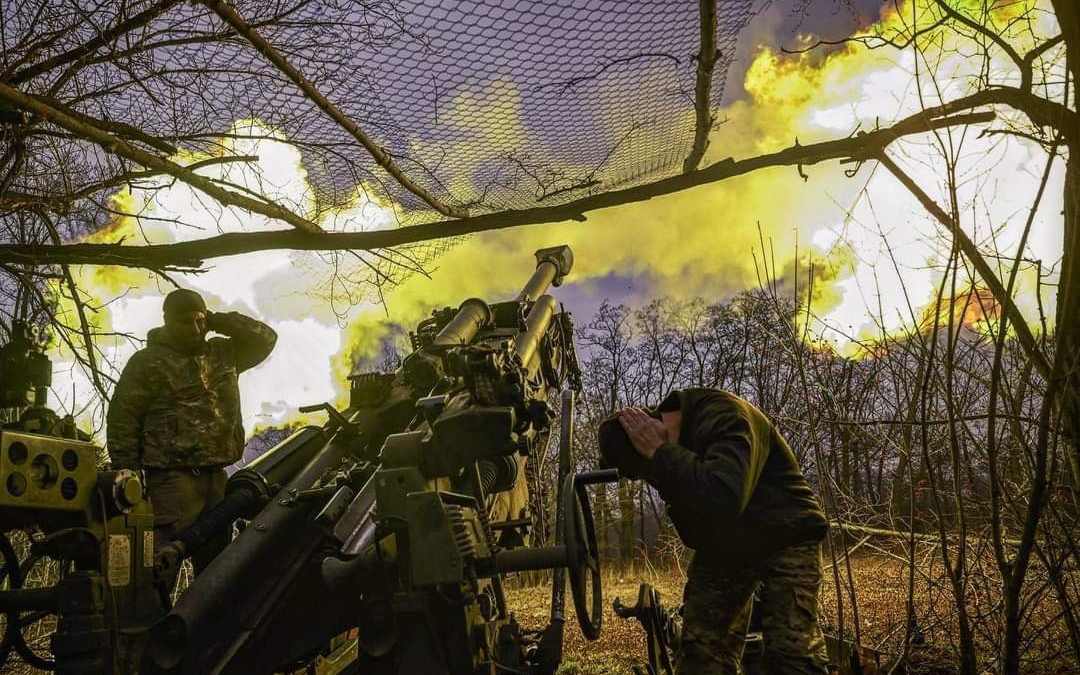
x=175 y=413
x=736 y=495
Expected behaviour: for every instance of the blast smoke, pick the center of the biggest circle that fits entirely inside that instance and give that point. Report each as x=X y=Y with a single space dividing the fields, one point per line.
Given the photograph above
x=873 y=248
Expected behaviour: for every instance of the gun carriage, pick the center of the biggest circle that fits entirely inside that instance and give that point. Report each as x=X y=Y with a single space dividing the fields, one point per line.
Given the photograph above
x=388 y=531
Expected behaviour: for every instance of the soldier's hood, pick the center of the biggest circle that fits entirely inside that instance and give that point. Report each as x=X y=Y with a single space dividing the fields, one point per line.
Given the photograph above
x=159 y=337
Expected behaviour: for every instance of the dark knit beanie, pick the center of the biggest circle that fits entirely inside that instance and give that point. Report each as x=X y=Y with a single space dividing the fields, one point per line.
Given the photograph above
x=182 y=301
x=617 y=450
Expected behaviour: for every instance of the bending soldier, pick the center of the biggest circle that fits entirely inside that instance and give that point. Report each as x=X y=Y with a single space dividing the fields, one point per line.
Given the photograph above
x=736 y=495
x=175 y=413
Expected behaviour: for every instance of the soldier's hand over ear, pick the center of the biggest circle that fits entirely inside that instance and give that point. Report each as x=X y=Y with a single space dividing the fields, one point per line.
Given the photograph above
x=645 y=432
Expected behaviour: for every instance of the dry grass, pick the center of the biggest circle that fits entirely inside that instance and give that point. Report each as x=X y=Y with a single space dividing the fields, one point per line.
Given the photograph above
x=622 y=641
x=881 y=583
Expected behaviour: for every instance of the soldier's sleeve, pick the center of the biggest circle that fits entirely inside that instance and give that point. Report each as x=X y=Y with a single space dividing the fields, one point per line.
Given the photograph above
x=252 y=340
x=719 y=483
x=127 y=412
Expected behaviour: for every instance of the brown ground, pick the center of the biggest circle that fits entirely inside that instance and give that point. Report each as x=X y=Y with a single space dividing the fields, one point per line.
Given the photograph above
x=881 y=583
x=621 y=642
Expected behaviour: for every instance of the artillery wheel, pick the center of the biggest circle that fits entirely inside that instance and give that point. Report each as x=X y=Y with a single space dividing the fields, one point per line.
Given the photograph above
x=20 y=621
x=583 y=558
x=10 y=579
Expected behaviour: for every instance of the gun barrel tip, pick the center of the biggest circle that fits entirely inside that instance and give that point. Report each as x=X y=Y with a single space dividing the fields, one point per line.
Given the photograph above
x=562 y=257
x=166 y=646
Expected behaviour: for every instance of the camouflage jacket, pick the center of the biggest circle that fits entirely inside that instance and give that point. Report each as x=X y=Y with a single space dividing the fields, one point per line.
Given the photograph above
x=175 y=407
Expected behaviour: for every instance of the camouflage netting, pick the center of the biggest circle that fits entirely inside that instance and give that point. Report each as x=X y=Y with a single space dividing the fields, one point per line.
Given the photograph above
x=486 y=105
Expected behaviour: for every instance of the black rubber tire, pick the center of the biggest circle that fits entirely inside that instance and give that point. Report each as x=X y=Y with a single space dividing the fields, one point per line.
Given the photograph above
x=25 y=619
x=11 y=572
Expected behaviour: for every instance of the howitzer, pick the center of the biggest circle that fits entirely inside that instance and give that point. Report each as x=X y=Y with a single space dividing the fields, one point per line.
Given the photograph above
x=389 y=530
x=387 y=523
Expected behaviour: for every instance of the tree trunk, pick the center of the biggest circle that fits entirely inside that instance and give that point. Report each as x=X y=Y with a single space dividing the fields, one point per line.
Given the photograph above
x=603 y=519
x=1068 y=317
x=1068 y=300
x=626 y=525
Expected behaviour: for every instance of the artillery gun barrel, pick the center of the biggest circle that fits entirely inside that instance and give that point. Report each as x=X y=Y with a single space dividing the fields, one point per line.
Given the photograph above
x=539 y=282
x=242 y=585
x=536 y=324
x=473 y=314
x=280 y=463
x=552 y=264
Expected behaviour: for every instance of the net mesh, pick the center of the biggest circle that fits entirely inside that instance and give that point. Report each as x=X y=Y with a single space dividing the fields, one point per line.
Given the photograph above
x=487 y=105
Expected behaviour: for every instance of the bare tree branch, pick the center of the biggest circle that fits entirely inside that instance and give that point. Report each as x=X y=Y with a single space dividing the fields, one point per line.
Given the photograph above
x=1040 y=110
x=972 y=253
x=122 y=148
x=192 y=253
x=61 y=202
x=233 y=19
x=984 y=31
x=118 y=128
x=706 y=62
x=105 y=37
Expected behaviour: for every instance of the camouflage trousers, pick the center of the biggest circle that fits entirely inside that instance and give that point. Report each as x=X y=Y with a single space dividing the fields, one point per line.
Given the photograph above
x=716 y=611
x=179 y=497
